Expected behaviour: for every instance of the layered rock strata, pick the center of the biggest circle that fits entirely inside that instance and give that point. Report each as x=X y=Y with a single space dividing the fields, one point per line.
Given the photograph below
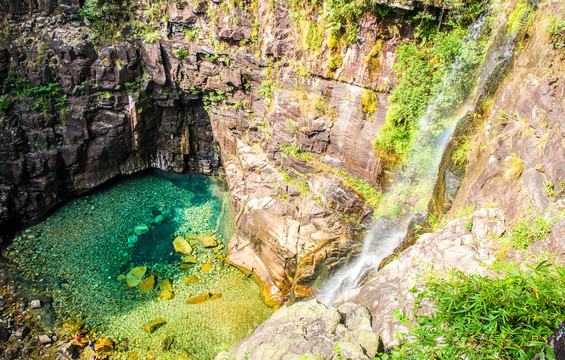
x=209 y=78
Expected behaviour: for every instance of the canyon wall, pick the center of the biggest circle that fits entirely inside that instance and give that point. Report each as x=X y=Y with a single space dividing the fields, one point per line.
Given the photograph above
x=182 y=83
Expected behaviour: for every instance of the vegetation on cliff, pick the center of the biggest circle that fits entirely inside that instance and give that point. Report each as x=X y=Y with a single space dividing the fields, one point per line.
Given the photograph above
x=508 y=316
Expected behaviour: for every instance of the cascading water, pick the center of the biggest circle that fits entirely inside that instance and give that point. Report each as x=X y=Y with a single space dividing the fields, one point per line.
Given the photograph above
x=435 y=128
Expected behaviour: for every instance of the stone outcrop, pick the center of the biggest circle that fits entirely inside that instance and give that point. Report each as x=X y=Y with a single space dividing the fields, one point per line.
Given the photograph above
x=313 y=329
x=515 y=133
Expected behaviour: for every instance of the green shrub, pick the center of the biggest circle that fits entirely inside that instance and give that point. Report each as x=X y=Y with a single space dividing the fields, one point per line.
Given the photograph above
x=506 y=317
x=528 y=231
x=369 y=101
x=106 y=17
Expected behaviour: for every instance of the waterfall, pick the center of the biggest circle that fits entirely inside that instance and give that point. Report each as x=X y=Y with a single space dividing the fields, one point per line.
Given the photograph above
x=435 y=128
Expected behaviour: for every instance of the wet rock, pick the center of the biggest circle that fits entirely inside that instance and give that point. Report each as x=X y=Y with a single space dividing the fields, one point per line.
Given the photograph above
x=182 y=246
x=206 y=267
x=141 y=229
x=68 y=350
x=10 y=353
x=204 y=297
x=153 y=325
x=147 y=284
x=44 y=339
x=207 y=240
x=134 y=276
x=4 y=334
x=104 y=346
x=189 y=280
x=167 y=342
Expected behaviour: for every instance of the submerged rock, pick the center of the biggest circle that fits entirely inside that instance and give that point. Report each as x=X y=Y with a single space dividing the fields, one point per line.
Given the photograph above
x=141 y=229
x=153 y=325
x=167 y=342
x=104 y=346
x=207 y=240
x=182 y=246
x=159 y=219
x=189 y=280
x=134 y=276
x=166 y=294
x=132 y=239
x=147 y=284
x=204 y=297
x=206 y=267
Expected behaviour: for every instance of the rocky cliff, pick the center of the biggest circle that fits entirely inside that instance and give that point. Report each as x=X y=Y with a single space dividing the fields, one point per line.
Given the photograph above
x=247 y=89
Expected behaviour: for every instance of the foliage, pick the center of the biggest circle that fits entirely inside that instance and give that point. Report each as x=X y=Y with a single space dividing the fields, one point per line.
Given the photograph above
x=191 y=34
x=266 y=88
x=515 y=18
x=513 y=167
x=527 y=231
x=421 y=69
x=301 y=185
x=44 y=99
x=459 y=156
x=213 y=99
x=181 y=54
x=506 y=317
x=106 y=17
x=369 y=101
x=557 y=34
x=363 y=188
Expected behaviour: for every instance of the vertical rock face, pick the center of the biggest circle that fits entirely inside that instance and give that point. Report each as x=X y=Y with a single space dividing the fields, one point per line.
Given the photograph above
x=210 y=78
x=517 y=134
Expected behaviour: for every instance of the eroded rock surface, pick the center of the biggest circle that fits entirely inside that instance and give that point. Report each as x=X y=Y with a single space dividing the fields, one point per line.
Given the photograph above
x=313 y=329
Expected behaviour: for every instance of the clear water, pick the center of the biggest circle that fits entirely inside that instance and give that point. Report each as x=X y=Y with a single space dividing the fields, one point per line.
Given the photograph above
x=76 y=257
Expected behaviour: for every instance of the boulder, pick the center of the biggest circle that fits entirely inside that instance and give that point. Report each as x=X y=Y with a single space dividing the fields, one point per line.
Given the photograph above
x=147 y=284
x=204 y=297
x=141 y=229
x=182 y=246
x=135 y=275
x=207 y=240
x=153 y=325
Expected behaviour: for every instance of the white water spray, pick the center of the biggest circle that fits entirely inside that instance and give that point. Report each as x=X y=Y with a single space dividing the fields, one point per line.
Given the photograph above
x=435 y=128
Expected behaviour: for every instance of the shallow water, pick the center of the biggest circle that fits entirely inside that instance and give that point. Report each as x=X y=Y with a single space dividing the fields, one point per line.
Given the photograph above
x=76 y=257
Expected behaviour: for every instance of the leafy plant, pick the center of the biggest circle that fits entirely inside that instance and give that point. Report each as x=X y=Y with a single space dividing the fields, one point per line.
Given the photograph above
x=557 y=33
x=508 y=316
x=527 y=231
x=369 y=101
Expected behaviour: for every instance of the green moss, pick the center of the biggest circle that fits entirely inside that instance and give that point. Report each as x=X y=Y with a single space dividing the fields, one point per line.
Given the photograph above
x=334 y=62
x=369 y=101
x=363 y=188
x=515 y=18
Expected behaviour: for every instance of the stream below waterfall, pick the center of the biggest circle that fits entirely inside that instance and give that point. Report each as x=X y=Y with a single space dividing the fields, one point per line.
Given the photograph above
x=77 y=260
